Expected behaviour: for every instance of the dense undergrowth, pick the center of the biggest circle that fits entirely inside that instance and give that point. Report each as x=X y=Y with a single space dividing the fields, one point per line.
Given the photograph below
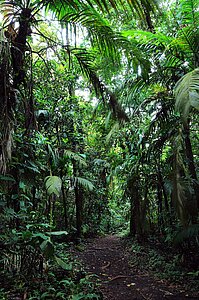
x=34 y=271
x=176 y=265
x=42 y=265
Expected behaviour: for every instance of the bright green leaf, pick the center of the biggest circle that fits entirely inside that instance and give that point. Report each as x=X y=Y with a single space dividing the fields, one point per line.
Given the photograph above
x=64 y=265
x=53 y=185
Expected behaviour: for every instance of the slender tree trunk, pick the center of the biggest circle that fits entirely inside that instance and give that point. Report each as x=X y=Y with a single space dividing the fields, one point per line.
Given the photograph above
x=7 y=104
x=166 y=202
x=79 y=206
x=160 y=210
x=78 y=202
x=19 y=47
x=133 y=225
x=102 y=206
x=192 y=171
x=144 y=205
x=14 y=194
x=64 y=194
x=133 y=186
x=189 y=152
x=34 y=204
x=147 y=16
x=18 y=53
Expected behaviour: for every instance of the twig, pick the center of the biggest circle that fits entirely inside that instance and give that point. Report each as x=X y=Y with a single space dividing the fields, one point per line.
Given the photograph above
x=106 y=266
x=118 y=277
x=146 y=298
x=93 y=249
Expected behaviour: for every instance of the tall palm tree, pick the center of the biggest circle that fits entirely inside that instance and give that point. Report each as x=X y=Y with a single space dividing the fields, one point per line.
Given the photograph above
x=172 y=55
x=23 y=14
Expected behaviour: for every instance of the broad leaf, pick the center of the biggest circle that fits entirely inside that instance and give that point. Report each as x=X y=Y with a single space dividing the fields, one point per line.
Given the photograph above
x=47 y=248
x=57 y=233
x=186 y=93
x=53 y=185
x=63 y=264
x=41 y=236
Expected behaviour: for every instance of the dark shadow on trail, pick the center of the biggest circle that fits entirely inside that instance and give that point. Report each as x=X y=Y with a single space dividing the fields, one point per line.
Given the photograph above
x=106 y=257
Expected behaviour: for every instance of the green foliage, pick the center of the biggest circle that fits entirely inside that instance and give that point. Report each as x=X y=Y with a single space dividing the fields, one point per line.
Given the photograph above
x=77 y=157
x=186 y=93
x=53 y=185
x=163 y=264
x=191 y=232
x=93 y=107
x=84 y=182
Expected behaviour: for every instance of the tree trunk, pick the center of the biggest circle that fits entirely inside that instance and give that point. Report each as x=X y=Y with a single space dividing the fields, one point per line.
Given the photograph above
x=64 y=194
x=19 y=47
x=14 y=195
x=192 y=171
x=133 y=187
x=79 y=206
x=160 y=211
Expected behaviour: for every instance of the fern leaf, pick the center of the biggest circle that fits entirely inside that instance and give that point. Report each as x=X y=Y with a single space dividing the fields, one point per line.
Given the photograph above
x=75 y=156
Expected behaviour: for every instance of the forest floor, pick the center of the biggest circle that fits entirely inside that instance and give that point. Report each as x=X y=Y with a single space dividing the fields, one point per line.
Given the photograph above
x=108 y=258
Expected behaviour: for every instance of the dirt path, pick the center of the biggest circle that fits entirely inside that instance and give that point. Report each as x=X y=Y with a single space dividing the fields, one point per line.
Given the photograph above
x=106 y=257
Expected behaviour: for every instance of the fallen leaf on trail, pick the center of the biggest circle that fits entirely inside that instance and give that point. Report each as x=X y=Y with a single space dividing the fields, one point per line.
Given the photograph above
x=131 y=284
x=167 y=293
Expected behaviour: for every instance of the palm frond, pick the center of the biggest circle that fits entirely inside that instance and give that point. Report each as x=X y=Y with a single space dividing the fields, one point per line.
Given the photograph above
x=186 y=93
x=84 y=183
x=77 y=157
x=145 y=37
x=99 y=31
x=109 y=43
x=188 y=12
x=187 y=18
x=89 y=68
x=61 y=7
x=169 y=52
x=163 y=125
x=140 y=7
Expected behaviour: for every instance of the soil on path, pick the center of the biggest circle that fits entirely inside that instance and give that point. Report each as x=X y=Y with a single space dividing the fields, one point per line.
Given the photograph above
x=106 y=257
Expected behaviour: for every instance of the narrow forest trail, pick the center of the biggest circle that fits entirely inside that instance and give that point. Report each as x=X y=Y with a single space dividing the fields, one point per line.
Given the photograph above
x=106 y=257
